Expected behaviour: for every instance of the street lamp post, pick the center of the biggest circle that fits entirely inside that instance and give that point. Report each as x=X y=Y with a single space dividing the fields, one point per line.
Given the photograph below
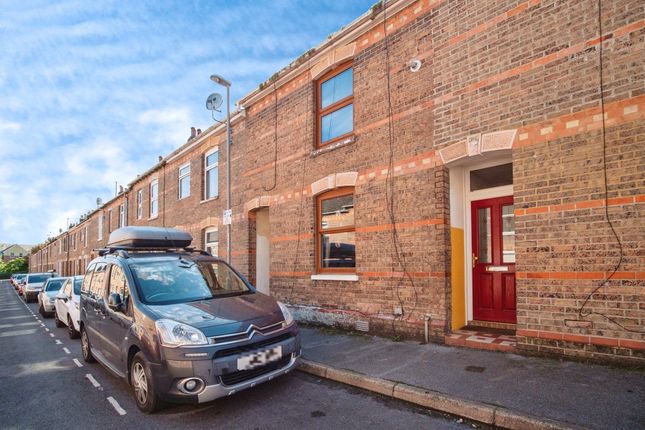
x=223 y=82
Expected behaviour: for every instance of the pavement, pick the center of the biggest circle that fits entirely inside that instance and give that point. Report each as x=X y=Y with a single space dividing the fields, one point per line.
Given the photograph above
x=501 y=389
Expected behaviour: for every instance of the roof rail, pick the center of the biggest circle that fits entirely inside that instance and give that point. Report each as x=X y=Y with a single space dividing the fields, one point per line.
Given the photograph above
x=123 y=250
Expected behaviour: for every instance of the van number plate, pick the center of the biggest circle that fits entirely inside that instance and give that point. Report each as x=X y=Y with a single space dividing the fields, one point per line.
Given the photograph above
x=248 y=362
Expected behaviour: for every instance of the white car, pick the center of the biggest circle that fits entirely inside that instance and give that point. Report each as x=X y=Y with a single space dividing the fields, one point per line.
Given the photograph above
x=47 y=295
x=67 y=304
x=34 y=284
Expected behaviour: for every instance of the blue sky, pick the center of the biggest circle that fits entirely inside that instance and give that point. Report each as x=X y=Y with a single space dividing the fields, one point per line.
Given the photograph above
x=92 y=92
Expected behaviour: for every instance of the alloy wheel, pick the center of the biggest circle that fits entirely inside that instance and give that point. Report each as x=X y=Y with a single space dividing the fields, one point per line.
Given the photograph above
x=140 y=382
x=86 y=349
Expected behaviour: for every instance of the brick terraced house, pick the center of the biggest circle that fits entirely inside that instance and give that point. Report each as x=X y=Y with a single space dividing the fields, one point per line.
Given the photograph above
x=439 y=165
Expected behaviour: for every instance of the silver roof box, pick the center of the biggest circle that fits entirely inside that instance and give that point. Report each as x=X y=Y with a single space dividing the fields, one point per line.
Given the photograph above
x=149 y=237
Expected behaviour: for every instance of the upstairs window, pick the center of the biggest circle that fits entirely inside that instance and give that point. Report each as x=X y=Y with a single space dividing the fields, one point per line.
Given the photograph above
x=335 y=235
x=123 y=214
x=184 y=181
x=154 y=199
x=140 y=204
x=335 y=108
x=100 y=226
x=110 y=221
x=211 y=171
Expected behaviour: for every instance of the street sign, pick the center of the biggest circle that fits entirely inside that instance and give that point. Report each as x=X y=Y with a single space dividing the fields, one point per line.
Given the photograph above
x=228 y=216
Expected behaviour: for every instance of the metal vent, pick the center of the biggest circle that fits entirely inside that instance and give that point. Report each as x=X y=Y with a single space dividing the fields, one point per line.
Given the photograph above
x=363 y=326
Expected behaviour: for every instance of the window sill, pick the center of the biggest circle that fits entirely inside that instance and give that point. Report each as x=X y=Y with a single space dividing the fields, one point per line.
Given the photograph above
x=208 y=200
x=334 y=277
x=153 y=217
x=332 y=146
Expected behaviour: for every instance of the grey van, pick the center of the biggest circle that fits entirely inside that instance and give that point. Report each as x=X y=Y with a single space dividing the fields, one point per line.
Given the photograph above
x=179 y=324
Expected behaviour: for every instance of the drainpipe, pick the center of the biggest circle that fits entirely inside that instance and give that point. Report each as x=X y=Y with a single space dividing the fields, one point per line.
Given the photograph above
x=428 y=318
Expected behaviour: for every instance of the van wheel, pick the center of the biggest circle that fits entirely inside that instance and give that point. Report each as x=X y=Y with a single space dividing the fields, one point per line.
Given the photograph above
x=145 y=394
x=58 y=322
x=73 y=334
x=86 y=348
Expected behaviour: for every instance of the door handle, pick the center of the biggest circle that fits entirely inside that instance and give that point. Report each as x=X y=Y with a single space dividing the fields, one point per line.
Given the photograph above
x=474 y=259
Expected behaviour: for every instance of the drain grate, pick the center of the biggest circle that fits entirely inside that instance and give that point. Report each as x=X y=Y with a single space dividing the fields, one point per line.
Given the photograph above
x=363 y=326
x=476 y=369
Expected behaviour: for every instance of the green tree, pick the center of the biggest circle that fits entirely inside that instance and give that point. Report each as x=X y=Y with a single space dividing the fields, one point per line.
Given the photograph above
x=18 y=265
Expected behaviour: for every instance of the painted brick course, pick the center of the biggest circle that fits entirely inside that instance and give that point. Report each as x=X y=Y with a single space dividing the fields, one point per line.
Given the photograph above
x=531 y=67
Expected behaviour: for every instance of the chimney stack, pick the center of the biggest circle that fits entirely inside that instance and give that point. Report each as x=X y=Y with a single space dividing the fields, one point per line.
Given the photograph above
x=193 y=132
x=199 y=131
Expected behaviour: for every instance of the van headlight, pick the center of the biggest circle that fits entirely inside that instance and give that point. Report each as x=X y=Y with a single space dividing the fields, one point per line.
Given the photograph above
x=288 y=318
x=173 y=334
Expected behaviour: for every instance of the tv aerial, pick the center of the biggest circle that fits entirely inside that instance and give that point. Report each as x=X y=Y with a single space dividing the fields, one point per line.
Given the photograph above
x=213 y=102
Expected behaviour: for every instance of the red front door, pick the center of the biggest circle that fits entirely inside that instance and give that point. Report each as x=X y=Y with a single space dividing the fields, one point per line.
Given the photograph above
x=493 y=257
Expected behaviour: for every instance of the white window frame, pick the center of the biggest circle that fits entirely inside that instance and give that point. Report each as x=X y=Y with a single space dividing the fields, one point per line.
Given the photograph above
x=207 y=169
x=183 y=176
x=123 y=214
x=100 y=236
x=154 y=199
x=140 y=203
x=214 y=245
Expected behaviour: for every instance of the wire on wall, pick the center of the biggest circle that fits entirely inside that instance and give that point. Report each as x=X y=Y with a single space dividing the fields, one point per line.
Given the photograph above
x=308 y=105
x=581 y=310
x=275 y=140
x=389 y=183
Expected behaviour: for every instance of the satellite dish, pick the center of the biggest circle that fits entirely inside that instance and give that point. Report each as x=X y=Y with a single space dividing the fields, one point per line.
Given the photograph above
x=415 y=65
x=214 y=101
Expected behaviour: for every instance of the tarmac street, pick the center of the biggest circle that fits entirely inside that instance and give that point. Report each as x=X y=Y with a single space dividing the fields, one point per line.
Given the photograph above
x=46 y=384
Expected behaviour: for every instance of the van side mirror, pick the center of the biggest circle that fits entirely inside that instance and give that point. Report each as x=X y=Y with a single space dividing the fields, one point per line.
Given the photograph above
x=115 y=303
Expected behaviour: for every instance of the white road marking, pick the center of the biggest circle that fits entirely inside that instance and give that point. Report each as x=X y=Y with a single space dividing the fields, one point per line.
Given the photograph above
x=66 y=351
x=78 y=363
x=116 y=406
x=92 y=380
x=51 y=334
x=58 y=342
x=43 y=325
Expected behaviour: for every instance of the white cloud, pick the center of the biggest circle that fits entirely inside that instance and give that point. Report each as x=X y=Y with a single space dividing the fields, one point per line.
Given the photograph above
x=93 y=92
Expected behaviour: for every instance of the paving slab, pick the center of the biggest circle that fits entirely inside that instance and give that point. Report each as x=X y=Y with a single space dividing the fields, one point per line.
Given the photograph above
x=587 y=395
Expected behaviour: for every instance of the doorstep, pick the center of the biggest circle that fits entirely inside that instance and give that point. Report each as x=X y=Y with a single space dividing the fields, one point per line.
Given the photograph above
x=483 y=338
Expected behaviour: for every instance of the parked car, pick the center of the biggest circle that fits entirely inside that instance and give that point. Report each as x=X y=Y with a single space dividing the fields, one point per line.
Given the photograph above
x=46 y=296
x=180 y=325
x=33 y=284
x=16 y=278
x=67 y=306
x=21 y=285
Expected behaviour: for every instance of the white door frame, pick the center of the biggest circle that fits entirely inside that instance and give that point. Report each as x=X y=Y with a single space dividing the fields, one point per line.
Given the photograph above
x=263 y=251
x=471 y=196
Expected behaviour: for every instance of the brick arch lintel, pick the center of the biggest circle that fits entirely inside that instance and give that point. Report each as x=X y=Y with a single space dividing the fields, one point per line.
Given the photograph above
x=256 y=203
x=333 y=59
x=333 y=181
x=478 y=144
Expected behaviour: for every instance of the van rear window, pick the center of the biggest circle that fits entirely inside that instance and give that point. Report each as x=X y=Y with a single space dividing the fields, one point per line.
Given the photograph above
x=38 y=278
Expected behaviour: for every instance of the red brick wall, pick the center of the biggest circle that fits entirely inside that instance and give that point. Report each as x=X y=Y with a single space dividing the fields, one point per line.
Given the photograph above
x=531 y=66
